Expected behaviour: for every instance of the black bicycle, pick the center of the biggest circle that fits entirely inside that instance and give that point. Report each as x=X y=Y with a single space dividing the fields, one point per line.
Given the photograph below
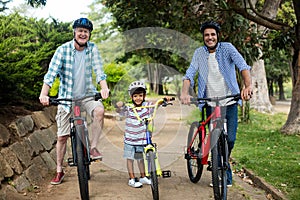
x=79 y=141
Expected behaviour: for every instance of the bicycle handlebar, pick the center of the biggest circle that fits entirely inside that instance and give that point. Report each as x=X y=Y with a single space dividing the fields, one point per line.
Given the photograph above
x=235 y=97
x=163 y=101
x=57 y=101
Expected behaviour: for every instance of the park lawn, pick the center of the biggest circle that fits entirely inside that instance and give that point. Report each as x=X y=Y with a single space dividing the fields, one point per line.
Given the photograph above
x=271 y=155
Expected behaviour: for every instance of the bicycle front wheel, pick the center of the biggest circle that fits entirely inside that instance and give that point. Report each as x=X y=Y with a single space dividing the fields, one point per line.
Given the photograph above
x=82 y=166
x=153 y=175
x=194 y=142
x=219 y=160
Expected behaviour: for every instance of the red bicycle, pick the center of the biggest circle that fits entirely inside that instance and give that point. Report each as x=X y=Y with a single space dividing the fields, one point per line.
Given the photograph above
x=210 y=134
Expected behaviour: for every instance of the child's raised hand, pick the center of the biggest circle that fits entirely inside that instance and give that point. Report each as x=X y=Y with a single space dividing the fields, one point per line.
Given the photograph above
x=119 y=104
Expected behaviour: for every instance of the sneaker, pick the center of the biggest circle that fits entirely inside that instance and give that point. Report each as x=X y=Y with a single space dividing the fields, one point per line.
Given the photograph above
x=58 y=178
x=145 y=180
x=95 y=154
x=134 y=183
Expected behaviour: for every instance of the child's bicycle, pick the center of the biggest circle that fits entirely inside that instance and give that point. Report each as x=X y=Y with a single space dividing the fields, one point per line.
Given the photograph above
x=152 y=167
x=203 y=138
x=79 y=141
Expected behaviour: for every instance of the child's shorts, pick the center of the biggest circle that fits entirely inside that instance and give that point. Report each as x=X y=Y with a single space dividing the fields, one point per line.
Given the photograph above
x=133 y=152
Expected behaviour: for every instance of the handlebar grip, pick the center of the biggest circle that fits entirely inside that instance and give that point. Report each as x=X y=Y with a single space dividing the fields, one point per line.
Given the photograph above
x=98 y=96
x=53 y=101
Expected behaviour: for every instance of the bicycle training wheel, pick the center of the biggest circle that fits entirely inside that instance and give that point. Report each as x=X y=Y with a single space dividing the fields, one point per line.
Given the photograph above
x=194 y=143
x=153 y=175
x=82 y=167
x=219 y=160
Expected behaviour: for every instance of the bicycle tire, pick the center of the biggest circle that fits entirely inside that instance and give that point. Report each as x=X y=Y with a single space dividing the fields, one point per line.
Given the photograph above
x=219 y=176
x=225 y=163
x=87 y=156
x=153 y=175
x=82 y=167
x=194 y=166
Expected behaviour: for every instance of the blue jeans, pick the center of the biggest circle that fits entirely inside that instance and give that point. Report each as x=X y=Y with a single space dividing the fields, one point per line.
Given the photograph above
x=231 y=115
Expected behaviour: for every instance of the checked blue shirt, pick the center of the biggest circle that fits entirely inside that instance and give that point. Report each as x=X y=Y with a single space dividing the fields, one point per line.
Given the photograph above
x=62 y=65
x=228 y=58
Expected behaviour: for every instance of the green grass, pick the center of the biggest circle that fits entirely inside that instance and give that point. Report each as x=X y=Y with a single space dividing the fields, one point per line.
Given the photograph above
x=271 y=155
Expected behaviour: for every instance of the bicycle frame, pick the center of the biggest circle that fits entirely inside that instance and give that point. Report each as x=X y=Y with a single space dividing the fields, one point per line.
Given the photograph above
x=215 y=142
x=150 y=154
x=149 y=145
x=79 y=121
x=79 y=143
x=206 y=138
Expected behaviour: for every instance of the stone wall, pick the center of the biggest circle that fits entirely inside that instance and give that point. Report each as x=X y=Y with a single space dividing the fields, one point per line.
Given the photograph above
x=27 y=151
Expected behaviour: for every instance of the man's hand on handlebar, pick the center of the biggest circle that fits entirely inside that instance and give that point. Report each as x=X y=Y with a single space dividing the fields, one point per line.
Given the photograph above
x=104 y=93
x=185 y=99
x=44 y=99
x=246 y=93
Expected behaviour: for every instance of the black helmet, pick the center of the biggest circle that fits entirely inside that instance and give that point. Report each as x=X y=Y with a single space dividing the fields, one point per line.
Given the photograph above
x=83 y=23
x=210 y=24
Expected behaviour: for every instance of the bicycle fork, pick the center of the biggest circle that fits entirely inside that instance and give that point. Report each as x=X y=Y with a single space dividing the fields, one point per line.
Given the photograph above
x=83 y=139
x=152 y=148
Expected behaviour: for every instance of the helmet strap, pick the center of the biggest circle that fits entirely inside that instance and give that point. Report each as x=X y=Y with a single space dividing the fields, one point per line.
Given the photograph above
x=81 y=45
x=136 y=104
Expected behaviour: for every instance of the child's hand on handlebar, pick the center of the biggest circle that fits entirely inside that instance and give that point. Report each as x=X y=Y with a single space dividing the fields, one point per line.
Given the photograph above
x=120 y=104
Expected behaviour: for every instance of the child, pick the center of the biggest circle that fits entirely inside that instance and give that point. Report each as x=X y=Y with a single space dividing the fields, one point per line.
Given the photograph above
x=135 y=131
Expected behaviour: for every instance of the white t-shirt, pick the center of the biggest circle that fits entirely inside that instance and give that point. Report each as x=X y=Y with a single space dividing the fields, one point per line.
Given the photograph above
x=216 y=85
x=79 y=86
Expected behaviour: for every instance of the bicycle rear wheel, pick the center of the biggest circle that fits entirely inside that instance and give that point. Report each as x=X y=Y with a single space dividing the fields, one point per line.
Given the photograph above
x=82 y=166
x=153 y=175
x=194 y=166
x=219 y=160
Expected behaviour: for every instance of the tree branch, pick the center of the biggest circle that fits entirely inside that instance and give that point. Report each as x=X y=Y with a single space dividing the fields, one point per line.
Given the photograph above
x=259 y=20
x=264 y=17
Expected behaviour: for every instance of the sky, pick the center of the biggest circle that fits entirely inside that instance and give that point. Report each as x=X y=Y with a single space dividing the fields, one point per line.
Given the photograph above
x=63 y=10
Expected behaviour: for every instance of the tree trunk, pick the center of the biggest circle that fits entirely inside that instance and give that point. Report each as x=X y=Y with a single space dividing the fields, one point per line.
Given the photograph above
x=281 y=89
x=260 y=100
x=292 y=125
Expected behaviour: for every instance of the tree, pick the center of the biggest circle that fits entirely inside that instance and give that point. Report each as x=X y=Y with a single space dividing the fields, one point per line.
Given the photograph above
x=293 y=30
x=185 y=16
x=26 y=47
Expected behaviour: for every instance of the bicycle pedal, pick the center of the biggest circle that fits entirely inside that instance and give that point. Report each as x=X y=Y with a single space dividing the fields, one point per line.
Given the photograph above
x=71 y=162
x=96 y=160
x=166 y=174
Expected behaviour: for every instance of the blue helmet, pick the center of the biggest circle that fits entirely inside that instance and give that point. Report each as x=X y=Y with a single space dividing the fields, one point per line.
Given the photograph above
x=83 y=23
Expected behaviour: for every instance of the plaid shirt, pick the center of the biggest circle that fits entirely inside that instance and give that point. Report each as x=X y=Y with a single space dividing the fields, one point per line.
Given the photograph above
x=62 y=65
x=227 y=56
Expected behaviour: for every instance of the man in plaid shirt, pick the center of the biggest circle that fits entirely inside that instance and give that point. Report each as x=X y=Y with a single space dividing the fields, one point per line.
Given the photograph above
x=74 y=63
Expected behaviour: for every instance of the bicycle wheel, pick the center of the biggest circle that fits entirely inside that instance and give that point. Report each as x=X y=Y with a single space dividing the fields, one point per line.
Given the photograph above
x=219 y=154
x=194 y=165
x=82 y=167
x=153 y=175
